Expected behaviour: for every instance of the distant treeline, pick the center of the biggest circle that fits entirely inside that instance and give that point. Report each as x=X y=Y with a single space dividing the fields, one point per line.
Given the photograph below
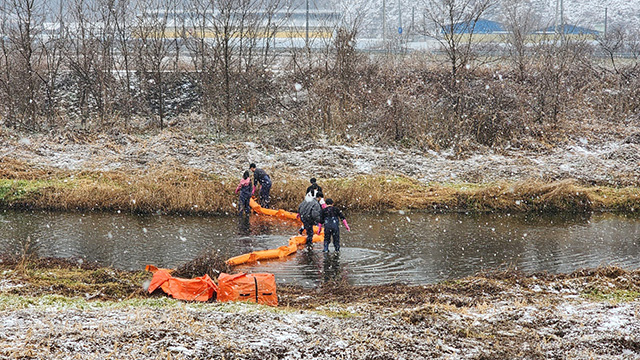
x=93 y=74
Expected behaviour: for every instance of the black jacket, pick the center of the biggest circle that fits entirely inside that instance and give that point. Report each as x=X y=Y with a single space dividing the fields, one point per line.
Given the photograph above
x=331 y=212
x=313 y=187
x=260 y=176
x=310 y=211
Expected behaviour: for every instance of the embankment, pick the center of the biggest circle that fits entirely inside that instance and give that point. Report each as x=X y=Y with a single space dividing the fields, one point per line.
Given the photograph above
x=52 y=309
x=179 y=190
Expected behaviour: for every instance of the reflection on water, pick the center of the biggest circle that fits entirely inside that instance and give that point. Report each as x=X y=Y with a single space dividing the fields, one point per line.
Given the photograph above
x=244 y=225
x=382 y=248
x=331 y=269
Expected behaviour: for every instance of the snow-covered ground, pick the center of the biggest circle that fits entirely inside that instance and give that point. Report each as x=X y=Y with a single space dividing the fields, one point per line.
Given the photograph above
x=556 y=326
x=612 y=161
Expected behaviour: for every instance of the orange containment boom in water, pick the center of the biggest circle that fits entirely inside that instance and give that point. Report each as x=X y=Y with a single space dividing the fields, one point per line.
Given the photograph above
x=198 y=289
x=282 y=214
x=282 y=251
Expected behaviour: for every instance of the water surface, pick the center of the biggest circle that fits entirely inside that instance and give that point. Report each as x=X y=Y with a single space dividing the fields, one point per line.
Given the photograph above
x=413 y=248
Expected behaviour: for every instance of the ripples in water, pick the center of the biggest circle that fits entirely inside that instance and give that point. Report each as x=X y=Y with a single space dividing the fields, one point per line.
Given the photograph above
x=383 y=248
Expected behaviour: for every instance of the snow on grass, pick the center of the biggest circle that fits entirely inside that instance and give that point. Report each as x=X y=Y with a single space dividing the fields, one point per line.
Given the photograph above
x=589 y=161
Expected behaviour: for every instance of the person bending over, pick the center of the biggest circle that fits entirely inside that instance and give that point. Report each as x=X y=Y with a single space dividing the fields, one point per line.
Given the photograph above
x=260 y=177
x=313 y=187
x=310 y=213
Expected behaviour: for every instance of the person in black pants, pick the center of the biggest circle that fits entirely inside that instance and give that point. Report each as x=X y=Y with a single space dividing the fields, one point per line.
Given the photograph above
x=246 y=190
x=310 y=213
x=331 y=217
x=262 y=178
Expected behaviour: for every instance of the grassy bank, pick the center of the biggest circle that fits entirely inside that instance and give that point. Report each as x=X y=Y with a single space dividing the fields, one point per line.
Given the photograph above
x=188 y=191
x=495 y=315
x=32 y=277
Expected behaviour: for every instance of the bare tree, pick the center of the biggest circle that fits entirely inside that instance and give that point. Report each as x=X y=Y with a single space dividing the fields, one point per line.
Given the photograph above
x=22 y=33
x=229 y=43
x=610 y=44
x=559 y=63
x=633 y=43
x=520 y=21
x=122 y=20
x=274 y=16
x=152 y=53
x=453 y=26
x=227 y=32
x=52 y=49
x=91 y=57
x=199 y=48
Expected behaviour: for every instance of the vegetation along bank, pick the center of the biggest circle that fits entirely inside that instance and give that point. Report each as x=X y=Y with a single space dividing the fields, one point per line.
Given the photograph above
x=67 y=310
x=175 y=190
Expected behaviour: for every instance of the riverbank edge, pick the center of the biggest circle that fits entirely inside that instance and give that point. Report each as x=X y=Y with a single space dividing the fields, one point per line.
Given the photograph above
x=186 y=191
x=497 y=314
x=28 y=277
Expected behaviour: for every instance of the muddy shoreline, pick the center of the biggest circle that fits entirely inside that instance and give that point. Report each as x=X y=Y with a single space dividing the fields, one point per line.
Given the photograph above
x=503 y=314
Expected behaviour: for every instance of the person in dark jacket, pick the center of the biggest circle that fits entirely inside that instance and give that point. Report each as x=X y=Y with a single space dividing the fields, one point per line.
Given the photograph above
x=313 y=187
x=260 y=177
x=310 y=213
x=246 y=190
x=331 y=217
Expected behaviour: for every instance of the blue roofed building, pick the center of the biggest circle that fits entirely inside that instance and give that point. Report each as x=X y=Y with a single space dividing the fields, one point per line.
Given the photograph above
x=482 y=26
x=568 y=29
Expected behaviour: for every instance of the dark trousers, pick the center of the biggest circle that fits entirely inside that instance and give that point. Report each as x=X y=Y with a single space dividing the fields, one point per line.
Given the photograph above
x=244 y=205
x=332 y=230
x=265 y=198
x=308 y=227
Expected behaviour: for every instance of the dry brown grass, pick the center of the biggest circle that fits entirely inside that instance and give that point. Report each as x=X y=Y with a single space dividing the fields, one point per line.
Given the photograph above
x=561 y=196
x=211 y=263
x=15 y=169
x=68 y=277
x=188 y=191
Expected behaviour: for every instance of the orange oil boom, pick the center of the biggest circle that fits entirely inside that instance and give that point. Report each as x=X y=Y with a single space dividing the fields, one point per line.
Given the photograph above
x=282 y=251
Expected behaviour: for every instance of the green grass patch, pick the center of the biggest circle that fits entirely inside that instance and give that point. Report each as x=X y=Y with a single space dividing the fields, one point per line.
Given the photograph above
x=25 y=191
x=12 y=302
x=614 y=296
x=18 y=190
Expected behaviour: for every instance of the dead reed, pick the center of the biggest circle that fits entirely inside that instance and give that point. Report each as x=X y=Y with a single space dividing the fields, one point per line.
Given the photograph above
x=188 y=191
x=211 y=263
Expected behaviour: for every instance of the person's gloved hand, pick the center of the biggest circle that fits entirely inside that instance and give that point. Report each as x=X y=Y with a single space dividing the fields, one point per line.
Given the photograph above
x=346 y=225
x=319 y=228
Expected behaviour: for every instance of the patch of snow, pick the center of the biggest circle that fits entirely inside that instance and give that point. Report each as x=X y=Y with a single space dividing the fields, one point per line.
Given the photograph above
x=180 y=349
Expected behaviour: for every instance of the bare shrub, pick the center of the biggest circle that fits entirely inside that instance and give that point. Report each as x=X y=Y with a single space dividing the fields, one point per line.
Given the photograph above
x=211 y=65
x=211 y=263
